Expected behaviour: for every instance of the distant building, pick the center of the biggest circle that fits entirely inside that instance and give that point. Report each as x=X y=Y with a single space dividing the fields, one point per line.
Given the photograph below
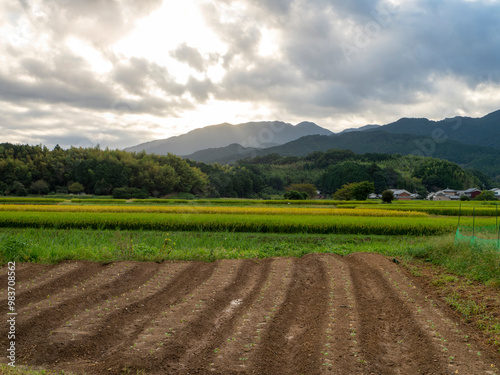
x=451 y=192
x=319 y=195
x=453 y=195
x=441 y=196
x=497 y=192
x=472 y=193
x=401 y=194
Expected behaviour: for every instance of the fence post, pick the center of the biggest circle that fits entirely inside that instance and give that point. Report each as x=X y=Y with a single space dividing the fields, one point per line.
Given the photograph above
x=498 y=230
x=459 y=215
x=473 y=222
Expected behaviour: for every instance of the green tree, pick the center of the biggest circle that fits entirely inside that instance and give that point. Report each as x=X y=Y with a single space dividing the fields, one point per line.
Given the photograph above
x=76 y=188
x=344 y=193
x=487 y=195
x=18 y=189
x=39 y=187
x=309 y=189
x=361 y=190
x=295 y=195
x=344 y=173
x=387 y=196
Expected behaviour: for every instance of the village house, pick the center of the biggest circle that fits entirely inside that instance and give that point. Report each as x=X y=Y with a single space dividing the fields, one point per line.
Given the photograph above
x=440 y=196
x=401 y=194
x=472 y=193
x=453 y=195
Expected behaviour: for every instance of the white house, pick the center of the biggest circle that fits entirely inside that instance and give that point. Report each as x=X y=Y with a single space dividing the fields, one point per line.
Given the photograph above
x=496 y=191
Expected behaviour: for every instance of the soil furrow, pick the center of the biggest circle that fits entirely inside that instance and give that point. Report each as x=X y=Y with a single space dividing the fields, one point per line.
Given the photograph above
x=89 y=322
x=35 y=331
x=41 y=275
x=234 y=354
x=292 y=343
x=171 y=320
x=25 y=271
x=212 y=319
x=456 y=345
x=237 y=302
x=341 y=350
x=53 y=286
x=320 y=314
x=115 y=330
x=388 y=331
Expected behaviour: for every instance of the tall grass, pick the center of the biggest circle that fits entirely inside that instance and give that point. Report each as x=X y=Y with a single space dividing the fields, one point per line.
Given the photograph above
x=481 y=263
x=218 y=210
x=322 y=224
x=53 y=245
x=445 y=210
x=20 y=200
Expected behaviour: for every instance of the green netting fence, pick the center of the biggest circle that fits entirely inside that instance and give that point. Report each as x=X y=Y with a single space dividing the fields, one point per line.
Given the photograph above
x=479 y=236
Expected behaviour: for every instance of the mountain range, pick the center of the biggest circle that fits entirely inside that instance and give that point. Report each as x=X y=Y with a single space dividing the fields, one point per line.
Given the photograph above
x=251 y=134
x=470 y=142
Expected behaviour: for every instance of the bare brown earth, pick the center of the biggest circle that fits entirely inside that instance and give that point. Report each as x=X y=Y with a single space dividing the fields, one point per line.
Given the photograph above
x=320 y=314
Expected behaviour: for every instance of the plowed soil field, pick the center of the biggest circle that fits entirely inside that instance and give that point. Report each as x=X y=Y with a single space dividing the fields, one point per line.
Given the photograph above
x=359 y=314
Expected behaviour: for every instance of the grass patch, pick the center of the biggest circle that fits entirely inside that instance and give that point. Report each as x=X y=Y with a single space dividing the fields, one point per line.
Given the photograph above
x=54 y=245
x=476 y=302
x=478 y=263
x=279 y=223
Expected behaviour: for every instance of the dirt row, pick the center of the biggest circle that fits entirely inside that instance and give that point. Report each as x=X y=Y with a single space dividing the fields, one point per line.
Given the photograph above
x=320 y=314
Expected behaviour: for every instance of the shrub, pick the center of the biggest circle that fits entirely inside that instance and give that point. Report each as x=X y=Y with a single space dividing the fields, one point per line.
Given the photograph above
x=295 y=195
x=129 y=193
x=39 y=187
x=387 y=196
x=18 y=189
x=361 y=190
x=486 y=196
x=14 y=250
x=309 y=189
x=356 y=190
x=76 y=188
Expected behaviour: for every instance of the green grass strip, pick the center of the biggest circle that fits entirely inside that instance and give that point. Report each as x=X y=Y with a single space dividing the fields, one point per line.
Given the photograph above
x=234 y=222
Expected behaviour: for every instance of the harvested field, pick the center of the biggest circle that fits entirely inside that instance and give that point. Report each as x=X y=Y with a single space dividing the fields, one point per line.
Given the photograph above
x=359 y=314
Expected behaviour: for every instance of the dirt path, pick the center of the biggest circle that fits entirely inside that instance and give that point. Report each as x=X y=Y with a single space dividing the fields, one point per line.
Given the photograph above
x=320 y=314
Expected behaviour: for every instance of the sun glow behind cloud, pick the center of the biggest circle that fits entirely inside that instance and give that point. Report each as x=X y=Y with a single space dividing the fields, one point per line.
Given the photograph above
x=175 y=23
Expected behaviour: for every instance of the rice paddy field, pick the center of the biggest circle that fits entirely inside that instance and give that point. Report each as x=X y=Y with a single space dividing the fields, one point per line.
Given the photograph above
x=251 y=286
x=51 y=230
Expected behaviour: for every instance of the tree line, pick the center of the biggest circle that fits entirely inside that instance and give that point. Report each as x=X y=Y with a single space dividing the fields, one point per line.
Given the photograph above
x=37 y=170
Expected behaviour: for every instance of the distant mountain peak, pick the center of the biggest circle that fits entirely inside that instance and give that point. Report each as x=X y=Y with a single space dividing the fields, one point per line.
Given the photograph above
x=260 y=134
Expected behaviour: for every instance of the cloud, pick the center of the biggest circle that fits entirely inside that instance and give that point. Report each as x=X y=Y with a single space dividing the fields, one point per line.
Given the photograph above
x=191 y=56
x=90 y=19
x=338 y=63
x=398 y=54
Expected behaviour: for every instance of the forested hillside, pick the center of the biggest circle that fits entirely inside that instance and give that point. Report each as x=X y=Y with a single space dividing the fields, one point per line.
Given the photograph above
x=263 y=176
x=37 y=170
x=482 y=158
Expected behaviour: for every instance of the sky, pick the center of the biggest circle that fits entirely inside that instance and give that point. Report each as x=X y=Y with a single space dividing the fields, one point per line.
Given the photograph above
x=117 y=73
